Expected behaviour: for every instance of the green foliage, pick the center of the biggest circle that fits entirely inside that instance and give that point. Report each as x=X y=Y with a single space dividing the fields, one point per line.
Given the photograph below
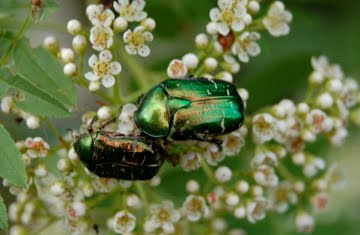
x=50 y=6
x=12 y=166
x=9 y=7
x=40 y=76
x=3 y=215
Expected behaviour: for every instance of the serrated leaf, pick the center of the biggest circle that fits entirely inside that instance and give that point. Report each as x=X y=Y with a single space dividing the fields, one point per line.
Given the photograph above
x=3 y=215
x=33 y=99
x=42 y=69
x=12 y=166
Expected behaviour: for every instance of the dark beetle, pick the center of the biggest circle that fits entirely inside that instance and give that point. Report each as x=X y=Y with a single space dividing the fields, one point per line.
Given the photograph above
x=112 y=155
x=193 y=108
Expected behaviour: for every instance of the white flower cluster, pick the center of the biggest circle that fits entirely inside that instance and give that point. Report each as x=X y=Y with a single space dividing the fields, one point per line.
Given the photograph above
x=231 y=38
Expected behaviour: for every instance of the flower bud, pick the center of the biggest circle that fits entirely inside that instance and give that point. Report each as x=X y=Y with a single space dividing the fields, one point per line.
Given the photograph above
x=223 y=174
x=254 y=6
x=120 y=24
x=201 y=40
x=149 y=24
x=51 y=44
x=192 y=186
x=210 y=64
x=32 y=122
x=104 y=112
x=225 y=76
x=74 y=27
x=57 y=189
x=70 y=69
x=94 y=86
x=190 y=60
x=67 y=55
x=79 y=43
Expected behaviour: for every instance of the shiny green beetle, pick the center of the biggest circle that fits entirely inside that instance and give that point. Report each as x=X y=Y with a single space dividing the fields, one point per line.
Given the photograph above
x=193 y=108
x=112 y=155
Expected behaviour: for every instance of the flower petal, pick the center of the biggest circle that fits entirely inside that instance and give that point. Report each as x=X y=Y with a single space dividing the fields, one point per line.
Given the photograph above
x=130 y=49
x=92 y=60
x=105 y=56
x=148 y=36
x=238 y=25
x=115 y=67
x=223 y=29
x=108 y=81
x=215 y=14
x=91 y=76
x=127 y=35
x=144 y=50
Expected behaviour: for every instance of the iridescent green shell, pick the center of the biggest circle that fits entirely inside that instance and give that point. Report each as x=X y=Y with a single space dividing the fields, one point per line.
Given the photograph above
x=190 y=108
x=112 y=155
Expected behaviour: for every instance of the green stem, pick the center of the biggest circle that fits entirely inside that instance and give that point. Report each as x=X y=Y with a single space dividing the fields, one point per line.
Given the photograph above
x=207 y=169
x=18 y=36
x=142 y=193
x=56 y=132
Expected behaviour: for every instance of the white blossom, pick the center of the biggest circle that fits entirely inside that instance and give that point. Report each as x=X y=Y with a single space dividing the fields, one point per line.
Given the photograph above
x=195 y=207
x=324 y=69
x=277 y=19
x=304 y=222
x=164 y=215
x=231 y=14
x=256 y=210
x=246 y=45
x=190 y=161
x=131 y=11
x=263 y=127
x=176 y=69
x=101 y=37
x=103 y=69
x=124 y=222
x=135 y=41
x=98 y=15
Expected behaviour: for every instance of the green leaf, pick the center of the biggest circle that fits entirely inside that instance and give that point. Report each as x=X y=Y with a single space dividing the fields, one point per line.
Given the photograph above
x=12 y=166
x=41 y=69
x=3 y=215
x=33 y=99
x=9 y=7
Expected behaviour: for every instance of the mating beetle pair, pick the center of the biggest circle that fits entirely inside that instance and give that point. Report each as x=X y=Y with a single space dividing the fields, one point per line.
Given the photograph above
x=193 y=108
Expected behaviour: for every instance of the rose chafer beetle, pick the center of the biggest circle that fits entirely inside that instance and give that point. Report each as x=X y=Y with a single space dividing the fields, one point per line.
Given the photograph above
x=112 y=155
x=192 y=108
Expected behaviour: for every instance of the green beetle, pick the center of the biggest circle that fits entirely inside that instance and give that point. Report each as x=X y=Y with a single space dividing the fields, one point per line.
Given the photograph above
x=112 y=155
x=192 y=108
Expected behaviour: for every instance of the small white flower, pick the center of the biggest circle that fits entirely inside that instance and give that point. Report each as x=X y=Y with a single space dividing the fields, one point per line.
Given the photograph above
x=192 y=186
x=242 y=186
x=213 y=155
x=124 y=222
x=67 y=55
x=51 y=44
x=74 y=27
x=256 y=210
x=176 y=69
x=133 y=201
x=57 y=189
x=246 y=46
x=232 y=199
x=324 y=69
x=6 y=104
x=33 y=122
x=190 y=60
x=79 y=208
x=254 y=6
x=201 y=40
x=223 y=174
x=240 y=212
x=120 y=24
x=230 y=14
x=164 y=215
x=264 y=157
x=277 y=19
x=98 y=15
x=36 y=147
x=263 y=127
x=104 y=112
x=70 y=69
x=41 y=170
x=335 y=177
x=313 y=166
x=195 y=207
x=136 y=41
x=190 y=161
x=265 y=176
x=131 y=11
x=299 y=158
x=210 y=64
x=103 y=69
x=101 y=37
x=149 y=24
x=319 y=121
x=304 y=222
x=325 y=101
x=337 y=138
x=320 y=201
x=79 y=43
x=282 y=197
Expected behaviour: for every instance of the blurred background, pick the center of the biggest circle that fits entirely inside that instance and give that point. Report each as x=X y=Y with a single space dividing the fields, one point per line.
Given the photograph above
x=329 y=27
